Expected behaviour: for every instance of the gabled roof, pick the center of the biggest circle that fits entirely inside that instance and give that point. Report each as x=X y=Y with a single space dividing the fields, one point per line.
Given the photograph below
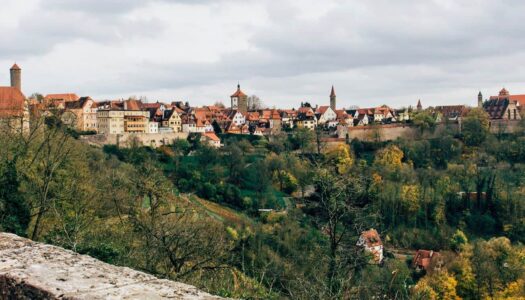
x=212 y=136
x=452 y=111
x=167 y=114
x=305 y=111
x=341 y=114
x=505 y=94
x=321 y=109
x=12 y=102
x=238 y=93
x=78 y=104
x=133 y=104
x=61 y=97
x=232 y=113
x=496 y=108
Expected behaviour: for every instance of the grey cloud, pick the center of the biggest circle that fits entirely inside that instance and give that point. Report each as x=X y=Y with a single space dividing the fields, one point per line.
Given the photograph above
x=93 y=6
x=109 y=6
x=390 y=34
x=41 y=32
x=375 y=49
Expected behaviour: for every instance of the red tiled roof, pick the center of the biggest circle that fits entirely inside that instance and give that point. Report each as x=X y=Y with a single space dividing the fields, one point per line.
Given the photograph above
x=423 y=258
x=151 y=105
x=275 y=115
x=15 y=67
x=452 y=111
x=212 y=136
x=515 y=98
x=61 y=97
x=133 y=104
x=11 y=102
x=239 y=93
x=321 y=109
x=371 y=238
x=253 y=116
x=341 y=114
x=518 y=98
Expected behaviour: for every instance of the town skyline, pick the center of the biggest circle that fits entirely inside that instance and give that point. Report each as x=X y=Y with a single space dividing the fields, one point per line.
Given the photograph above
x=139 y=48
x=264 y=102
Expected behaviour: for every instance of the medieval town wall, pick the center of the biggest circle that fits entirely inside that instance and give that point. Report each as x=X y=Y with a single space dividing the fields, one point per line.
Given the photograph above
x=126 y=139
x=393 y=131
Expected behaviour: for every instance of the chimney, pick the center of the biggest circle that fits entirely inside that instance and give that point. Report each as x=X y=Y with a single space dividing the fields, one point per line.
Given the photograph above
x=16 y=77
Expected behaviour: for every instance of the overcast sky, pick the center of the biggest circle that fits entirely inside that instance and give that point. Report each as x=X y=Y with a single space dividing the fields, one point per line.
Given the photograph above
x=285 y=51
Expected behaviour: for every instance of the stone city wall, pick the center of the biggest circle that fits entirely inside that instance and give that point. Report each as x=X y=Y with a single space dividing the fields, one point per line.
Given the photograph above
x=147 y=139
x=389 y=132
x=393 y=131
x=30 y=270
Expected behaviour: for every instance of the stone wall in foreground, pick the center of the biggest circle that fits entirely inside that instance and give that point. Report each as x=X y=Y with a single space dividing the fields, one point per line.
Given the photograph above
x=30 y=270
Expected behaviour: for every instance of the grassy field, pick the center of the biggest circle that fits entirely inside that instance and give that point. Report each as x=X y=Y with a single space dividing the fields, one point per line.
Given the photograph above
x=222 y=213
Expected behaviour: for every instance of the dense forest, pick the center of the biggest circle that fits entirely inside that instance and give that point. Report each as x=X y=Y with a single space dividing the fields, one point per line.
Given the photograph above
x=279 y=218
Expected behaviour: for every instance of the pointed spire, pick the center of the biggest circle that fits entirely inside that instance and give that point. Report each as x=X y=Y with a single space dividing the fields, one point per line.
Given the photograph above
x=15 y=67
x=419 y=106
x=480 y=94
x=332 y=93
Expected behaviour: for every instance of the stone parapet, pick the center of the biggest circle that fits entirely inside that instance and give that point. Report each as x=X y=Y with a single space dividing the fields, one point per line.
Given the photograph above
x=30 y=270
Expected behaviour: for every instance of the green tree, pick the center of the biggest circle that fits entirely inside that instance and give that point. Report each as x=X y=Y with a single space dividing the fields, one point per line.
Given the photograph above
x=302 y=139
x=425 y=121
x=475 y=127
x=458 y=240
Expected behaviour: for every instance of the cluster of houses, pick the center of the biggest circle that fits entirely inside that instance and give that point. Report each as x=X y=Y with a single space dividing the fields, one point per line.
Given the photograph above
x=423 y=260
x=135 y=116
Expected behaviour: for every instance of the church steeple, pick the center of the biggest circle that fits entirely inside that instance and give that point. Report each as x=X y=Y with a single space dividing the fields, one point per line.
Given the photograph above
x=333 y=99
x=419 y=106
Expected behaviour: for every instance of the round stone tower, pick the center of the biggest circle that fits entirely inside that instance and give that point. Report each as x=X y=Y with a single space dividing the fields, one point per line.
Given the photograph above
x=16 y=77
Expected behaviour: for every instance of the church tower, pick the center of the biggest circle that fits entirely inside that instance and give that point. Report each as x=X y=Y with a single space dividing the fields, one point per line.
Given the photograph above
x=333 y=99
x=480 y=100
x=16 y=77
x=419 y=106
x=239 y=100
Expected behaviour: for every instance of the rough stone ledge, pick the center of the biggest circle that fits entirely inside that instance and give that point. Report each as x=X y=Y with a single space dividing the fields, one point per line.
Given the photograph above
x=30 y=270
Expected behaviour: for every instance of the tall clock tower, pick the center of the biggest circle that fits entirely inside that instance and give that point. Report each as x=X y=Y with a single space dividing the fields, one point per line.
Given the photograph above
x=239 y=100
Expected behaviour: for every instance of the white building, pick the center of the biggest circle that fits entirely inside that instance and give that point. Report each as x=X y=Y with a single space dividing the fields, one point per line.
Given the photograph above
x=153 y=127
x=325 y=114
